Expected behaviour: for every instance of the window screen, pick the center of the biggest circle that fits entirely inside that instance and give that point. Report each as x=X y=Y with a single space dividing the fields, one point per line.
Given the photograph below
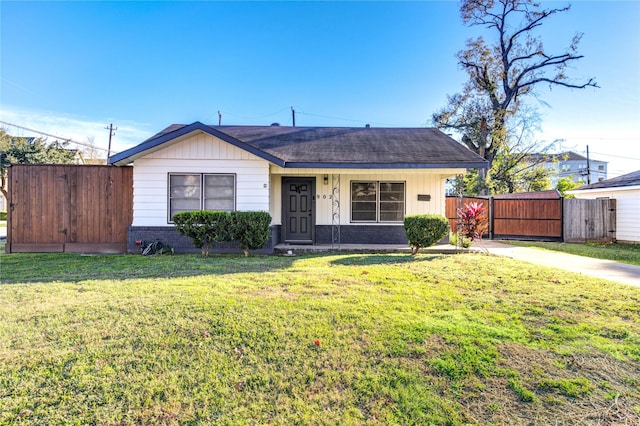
x=199 y=191
x=377 y=201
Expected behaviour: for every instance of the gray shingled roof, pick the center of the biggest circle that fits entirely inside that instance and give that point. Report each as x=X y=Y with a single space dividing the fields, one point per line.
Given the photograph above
x=630 y=179
x=339 y=147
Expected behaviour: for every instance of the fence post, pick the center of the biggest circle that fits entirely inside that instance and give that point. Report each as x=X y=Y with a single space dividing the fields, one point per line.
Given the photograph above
x=562 y=219
x=490 y=218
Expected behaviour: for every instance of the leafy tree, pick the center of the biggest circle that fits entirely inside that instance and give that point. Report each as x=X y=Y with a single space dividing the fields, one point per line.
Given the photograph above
x=502 y=74
x=17 y=150
x=518 y=173
x=565 y=184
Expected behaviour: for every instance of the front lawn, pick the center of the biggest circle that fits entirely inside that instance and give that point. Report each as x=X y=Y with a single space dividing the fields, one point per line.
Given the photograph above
x=319 y=339
x=619 y=252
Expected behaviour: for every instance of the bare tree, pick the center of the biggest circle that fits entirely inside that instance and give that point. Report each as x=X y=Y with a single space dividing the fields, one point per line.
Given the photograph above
x=503 y=73
x=91 y=153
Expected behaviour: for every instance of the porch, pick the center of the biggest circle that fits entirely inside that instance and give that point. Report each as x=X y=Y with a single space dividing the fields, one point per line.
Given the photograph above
x=297 y=249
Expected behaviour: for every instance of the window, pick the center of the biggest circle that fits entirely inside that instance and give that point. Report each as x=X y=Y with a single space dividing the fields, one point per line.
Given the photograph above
x=377 y=201
x=201 y=192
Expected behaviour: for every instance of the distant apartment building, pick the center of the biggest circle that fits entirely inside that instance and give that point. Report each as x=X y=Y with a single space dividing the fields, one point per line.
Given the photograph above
x=574 y=166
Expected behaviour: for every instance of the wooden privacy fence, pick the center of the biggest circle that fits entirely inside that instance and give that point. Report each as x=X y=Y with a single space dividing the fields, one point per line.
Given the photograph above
x=527 y=218
x=69 y=208
x=547 y=219
x=589 y=220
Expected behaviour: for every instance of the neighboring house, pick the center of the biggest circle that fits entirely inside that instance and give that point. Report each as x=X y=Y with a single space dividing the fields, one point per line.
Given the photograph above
x=625 y=190
x=321 y=185
x=580 y=169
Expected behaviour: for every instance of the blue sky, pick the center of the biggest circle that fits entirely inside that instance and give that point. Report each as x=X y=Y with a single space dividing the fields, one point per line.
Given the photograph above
x=72 y=68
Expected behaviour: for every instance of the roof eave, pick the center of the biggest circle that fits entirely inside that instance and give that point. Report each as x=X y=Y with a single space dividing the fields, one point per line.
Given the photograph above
x=605 y=189
x=126 y=157
x=331 y=165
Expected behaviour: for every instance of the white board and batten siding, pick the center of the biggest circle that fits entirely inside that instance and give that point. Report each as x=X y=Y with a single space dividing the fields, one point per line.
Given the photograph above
x=627 y=207
x=198 y=153
x=417 y=181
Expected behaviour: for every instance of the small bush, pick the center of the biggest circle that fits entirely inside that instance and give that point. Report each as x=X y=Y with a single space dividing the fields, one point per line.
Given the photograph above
x=3 y=215
x=459 y=240
x=205 y=227
x=251 y=229
x=473 y=221
x=425 y=230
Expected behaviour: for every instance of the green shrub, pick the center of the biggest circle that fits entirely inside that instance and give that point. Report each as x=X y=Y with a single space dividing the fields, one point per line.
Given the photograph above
x=3 y=215
x=251 y=229
x=425 y=230
x=205 y=227
x=461 y=240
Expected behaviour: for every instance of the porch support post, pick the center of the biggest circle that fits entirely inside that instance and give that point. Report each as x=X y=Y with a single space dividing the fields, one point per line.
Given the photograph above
x=335 y=211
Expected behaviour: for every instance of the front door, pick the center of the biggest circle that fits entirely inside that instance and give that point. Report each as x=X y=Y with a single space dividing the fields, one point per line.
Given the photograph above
x=298 y=210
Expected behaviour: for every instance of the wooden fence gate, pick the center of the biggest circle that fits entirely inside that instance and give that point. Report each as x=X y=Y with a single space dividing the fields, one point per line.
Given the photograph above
x=69 y=208
x=589 y=220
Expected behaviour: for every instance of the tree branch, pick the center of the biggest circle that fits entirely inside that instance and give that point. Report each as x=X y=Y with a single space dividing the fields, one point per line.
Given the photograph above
x=590 y=83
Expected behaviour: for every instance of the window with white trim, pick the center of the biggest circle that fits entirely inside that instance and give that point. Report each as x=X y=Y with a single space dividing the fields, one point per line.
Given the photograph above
x=201 y=191
x=377 y=201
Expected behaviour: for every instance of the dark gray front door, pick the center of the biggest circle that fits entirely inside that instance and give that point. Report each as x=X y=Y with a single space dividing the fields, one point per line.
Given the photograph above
x=298 y=210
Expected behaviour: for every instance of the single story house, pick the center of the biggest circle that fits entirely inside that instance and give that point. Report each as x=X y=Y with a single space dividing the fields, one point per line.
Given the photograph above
x=625 y=190
x=321 y=185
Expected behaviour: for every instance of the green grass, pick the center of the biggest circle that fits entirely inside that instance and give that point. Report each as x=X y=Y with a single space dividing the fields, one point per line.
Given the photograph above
x=619 y=252
x=323 y=339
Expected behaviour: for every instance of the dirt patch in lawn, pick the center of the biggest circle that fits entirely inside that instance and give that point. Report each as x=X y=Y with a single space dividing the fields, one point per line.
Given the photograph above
x=542 y=387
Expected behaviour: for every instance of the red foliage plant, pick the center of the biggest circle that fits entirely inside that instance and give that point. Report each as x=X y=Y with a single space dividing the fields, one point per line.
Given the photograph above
x=473 y=221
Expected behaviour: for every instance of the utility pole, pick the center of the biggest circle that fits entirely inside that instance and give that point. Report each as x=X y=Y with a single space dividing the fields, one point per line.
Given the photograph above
x=111 y=133
x=293 y=115
x=588 y=167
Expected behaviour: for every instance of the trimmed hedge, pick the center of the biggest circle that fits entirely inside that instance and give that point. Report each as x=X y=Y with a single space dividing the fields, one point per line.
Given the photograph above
x=251 y=229
x=424 y=230
x=205 y=227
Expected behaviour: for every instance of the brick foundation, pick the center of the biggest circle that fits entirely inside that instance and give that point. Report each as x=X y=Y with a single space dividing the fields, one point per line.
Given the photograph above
x=168 y=235
x=349 y=234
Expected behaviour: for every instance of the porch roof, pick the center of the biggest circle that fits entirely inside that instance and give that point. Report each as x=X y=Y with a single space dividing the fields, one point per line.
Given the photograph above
x=327 y=147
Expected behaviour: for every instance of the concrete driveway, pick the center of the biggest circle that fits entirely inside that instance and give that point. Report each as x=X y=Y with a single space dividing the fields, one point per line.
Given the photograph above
x=606 y=269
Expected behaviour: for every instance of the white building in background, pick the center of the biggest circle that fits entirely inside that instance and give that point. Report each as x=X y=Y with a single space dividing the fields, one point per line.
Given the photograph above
x=580 y=169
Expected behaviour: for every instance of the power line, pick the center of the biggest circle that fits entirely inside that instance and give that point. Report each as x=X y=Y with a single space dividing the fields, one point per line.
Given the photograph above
x=616 y=156
x=53 y=136
x=346 y=119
